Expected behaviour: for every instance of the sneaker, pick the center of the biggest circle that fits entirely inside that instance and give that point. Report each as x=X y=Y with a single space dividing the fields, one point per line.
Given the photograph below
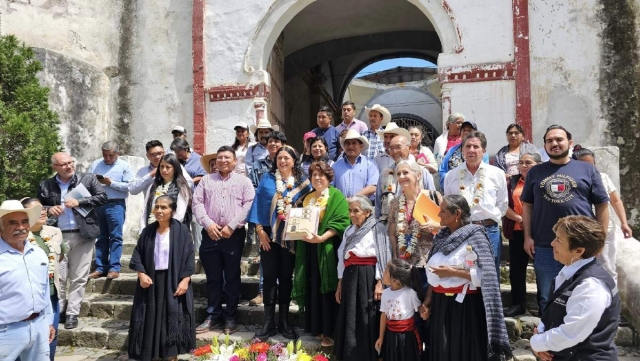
x=256 y=301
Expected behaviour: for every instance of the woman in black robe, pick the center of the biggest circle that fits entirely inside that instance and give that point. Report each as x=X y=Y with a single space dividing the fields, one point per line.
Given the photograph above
x=162 y=321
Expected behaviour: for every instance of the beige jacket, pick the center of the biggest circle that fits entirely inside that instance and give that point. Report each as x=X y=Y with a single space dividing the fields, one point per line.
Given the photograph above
x=55 y=245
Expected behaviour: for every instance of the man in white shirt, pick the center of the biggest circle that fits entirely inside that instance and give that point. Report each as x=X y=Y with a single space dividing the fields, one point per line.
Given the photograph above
x=483 y=185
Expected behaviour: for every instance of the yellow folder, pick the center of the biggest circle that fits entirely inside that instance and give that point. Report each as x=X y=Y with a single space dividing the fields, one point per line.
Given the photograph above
x=426 y=209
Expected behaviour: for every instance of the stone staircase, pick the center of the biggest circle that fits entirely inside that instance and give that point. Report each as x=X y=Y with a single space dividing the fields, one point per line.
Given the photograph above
x=106 y=309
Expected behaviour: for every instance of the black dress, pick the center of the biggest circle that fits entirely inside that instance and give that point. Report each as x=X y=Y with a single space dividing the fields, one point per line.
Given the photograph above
x=320 y=308
x=401 y=346
x=162 y=325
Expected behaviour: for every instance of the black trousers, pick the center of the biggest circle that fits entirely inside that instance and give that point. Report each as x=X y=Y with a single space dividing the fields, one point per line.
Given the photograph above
x=221 y=262
x=277 y=270
x=518 y=261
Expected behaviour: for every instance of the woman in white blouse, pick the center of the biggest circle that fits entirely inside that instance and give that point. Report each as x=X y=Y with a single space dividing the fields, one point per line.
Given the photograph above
x=240 y=145
x=362 y=258
x=581 y=318
x=463 y=302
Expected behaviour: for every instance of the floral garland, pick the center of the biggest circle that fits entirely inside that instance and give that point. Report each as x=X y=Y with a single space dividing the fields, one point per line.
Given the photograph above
x=51 y=256
x=478 y=190
x=284 y=202
x=388 y=185
x=406 y=246
x=320 y=202
x=254 y=351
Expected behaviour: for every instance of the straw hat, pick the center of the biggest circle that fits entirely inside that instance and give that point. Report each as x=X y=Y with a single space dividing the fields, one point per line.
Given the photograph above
x=14 y=206
x=264 y=124
x=353 y=134
x=386 y=115
x=205 y=159
x=393 y=128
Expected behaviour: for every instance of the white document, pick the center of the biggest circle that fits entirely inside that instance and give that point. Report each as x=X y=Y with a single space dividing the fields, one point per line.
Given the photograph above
x=79 y=192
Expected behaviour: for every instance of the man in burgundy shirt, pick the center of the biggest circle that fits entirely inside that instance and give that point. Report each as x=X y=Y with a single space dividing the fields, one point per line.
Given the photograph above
x=221 y=203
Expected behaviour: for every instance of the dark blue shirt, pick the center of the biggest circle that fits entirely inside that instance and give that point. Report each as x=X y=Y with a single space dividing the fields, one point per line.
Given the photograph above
x=556 y=191
x=332 y=136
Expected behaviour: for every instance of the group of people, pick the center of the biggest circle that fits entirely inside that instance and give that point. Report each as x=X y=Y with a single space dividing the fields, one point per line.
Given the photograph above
x=375 y=281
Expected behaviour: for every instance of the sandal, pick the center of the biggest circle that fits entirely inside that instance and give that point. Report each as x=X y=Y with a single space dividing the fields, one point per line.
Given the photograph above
x=326 y=342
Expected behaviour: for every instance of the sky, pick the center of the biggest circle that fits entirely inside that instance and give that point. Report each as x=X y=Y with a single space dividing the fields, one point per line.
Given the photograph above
x=394 y=63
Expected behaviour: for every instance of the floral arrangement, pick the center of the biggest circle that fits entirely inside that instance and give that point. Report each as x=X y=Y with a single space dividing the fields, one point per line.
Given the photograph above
x=406 y=244
x=284 y=202
x=51 y=256
x=322 y=201
x=254 y=351
x=477 y=191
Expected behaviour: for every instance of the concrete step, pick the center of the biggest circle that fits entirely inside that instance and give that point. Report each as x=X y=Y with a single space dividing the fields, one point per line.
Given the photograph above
x=531 y=300
x=247 y=267
x=126 y=285
x=504 y=273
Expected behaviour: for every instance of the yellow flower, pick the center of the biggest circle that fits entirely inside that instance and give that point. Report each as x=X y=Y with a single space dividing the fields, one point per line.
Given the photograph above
x=46 y=238
x=304 y=357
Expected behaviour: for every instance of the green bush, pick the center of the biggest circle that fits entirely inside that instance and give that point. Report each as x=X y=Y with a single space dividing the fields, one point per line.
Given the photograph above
x=28 y=129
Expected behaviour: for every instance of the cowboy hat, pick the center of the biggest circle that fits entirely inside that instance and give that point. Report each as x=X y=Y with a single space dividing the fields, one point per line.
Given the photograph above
x=264 y=124
x=14 y=206
x=393 y=128
x=205 y=159
x=386 y=115
x=353 y=134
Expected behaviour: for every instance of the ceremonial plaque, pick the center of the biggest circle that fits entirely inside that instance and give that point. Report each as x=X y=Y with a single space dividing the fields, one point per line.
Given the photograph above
x=301 y=222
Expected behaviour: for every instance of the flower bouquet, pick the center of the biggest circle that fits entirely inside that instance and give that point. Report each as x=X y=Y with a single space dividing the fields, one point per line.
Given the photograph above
x=254 y=351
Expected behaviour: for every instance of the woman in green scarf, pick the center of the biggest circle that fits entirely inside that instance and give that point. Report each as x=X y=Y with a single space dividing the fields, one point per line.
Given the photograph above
x=316 y=272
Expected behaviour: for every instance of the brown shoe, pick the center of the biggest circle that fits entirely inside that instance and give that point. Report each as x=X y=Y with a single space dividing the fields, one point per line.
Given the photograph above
x=113 y=275
x=95 y=275
x=256 y=301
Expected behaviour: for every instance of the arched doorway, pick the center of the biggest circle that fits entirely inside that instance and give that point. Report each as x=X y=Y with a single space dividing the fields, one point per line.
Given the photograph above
x=429 y=132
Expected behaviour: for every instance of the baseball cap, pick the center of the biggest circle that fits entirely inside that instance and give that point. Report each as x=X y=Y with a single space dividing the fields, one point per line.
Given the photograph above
x=471 y=123
x=242 y=125
x=179 y=129
x=309 y=135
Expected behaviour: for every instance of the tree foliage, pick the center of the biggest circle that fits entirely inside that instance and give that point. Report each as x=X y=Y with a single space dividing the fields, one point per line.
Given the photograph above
x=28 y=129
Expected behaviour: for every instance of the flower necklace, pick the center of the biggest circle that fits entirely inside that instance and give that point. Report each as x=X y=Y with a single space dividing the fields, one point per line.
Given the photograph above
x=388 y=186
x=320 y=202
x=407 y=246
x=51 y=256
x=476 y=194
x=284 y=202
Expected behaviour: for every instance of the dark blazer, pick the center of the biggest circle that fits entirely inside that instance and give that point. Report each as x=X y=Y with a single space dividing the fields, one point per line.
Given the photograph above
x=49 y=195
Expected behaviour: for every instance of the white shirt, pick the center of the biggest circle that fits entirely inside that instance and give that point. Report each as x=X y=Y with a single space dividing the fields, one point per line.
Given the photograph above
x=585 y=306
x=161 y=251
x=610 y=188
x=365 y=248
x=384 y=161
x=453 y=259
x=492 y=196
x=241 y=155
x=399 y=305
x=142 y=180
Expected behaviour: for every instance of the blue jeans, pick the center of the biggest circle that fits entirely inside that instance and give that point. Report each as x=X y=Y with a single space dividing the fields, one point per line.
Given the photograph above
x=496 y=245
x=547 y=268
x=109 y=243
x=28 y=340
x=55 y=305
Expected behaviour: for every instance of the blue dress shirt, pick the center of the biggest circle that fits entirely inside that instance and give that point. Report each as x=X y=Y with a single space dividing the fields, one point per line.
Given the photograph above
x=24 y=283
x=351 y=179
x=120 y=174
x=193 y=166
x=255 y=153
x=332 y=137
x=66 y=220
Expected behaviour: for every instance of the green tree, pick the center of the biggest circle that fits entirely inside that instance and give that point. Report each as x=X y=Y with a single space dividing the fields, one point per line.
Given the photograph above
x=28 y=129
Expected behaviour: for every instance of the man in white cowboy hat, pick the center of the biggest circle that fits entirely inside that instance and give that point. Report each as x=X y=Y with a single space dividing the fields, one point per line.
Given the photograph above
x=328 y=131
x=355 y=174
x=258 y=151
x=385 y=160
x=26 y=316
x=379 y=117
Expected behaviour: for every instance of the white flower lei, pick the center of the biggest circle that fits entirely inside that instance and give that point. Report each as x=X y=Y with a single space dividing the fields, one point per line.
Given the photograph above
x=478 y=190
x=51 y=256
x=320 y=202
x=283 y=203
x=406 y=248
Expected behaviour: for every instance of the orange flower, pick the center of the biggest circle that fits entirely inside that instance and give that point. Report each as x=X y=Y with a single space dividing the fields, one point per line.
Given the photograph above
x=476 y=201
x=479 y=185
x=201 y=351
x=461 y=187
x=260 y=347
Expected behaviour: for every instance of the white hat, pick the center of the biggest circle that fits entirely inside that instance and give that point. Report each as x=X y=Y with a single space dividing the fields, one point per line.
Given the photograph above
x=393 y=128
x=386 y=115
x=179 y=129
x=264 y=124
x=14 y=206
x=353 y=134
x=242 y=125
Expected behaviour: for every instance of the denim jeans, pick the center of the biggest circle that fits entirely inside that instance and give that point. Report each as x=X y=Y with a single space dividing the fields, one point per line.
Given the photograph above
x=55 y=305
x=28 y=340
x=547 y=268
x=496 y=244
x=109 y=243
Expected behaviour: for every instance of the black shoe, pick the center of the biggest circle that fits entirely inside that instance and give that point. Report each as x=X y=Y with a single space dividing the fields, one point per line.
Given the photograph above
x=230 y=327
x=285 y=329
x=514 y=310
x=209 y=324
x=71 y=322
x=269 y=328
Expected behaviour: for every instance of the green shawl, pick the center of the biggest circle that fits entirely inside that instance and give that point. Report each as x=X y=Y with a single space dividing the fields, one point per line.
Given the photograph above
x=336 y=217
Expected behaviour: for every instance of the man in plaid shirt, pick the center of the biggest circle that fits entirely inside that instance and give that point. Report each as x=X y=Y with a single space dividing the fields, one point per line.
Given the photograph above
x=379 y=116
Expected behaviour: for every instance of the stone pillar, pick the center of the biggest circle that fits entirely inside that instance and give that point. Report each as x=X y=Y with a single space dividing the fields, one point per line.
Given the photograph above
x=260 y=105
x=446 y=102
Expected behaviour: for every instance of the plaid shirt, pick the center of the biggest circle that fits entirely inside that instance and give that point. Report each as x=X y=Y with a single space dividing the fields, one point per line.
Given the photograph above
x=376 y=144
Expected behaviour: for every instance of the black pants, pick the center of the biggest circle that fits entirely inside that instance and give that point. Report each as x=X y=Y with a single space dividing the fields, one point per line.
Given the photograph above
x=221 y=262
x=518 y=261
x=277 y=269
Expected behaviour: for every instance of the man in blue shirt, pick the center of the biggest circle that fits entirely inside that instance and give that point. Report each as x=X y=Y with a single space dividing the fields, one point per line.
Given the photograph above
x=26 y=316
x=189 y=159
x=328 y=131
x=259 y=150
x=355 y=174
x=114 y=174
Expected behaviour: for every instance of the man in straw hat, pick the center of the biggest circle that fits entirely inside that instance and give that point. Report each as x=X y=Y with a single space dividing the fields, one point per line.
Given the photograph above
x=385 y=160
x=258 y=151
x=379 y=117
x=355 y=174
x=26 y=316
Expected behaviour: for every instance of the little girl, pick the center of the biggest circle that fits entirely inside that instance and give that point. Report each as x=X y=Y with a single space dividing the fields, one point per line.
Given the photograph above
x=399 y=305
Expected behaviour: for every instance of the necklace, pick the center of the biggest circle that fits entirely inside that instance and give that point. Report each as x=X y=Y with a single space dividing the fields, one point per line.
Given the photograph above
x=476 y=193
x=406 y=245
x=284 y=202
x=321 y=201
x=51 y=256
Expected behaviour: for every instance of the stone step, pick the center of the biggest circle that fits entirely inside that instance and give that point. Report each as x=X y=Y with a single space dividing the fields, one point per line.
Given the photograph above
x=531 y=300
x=247 y=267
x=126 y=285
x=504 y=273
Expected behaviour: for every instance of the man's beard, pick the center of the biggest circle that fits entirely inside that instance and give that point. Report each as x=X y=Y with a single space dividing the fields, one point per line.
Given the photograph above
x=560 y=156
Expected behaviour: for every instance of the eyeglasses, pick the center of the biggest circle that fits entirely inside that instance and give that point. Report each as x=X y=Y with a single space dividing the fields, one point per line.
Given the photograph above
x=64 y=164
x=397 y=147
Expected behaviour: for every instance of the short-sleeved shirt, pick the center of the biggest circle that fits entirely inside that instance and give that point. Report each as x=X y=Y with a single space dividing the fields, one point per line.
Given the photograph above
x=399 y=305
x=351 y=179
x=559 y=190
